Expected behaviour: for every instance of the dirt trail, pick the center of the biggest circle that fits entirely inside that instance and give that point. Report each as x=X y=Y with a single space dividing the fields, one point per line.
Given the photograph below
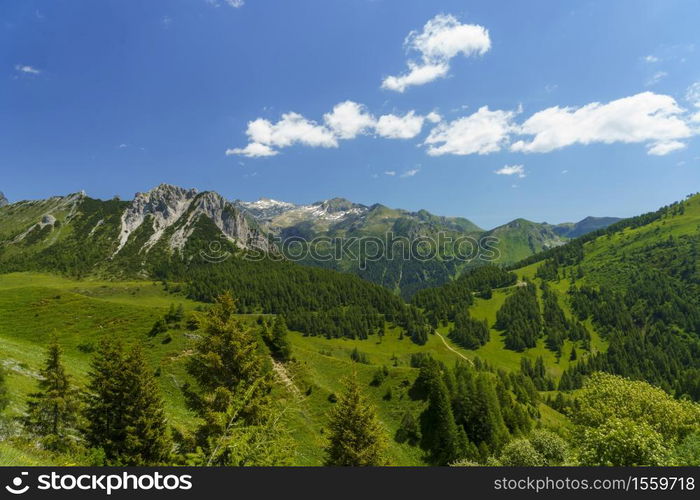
x=281 y=372
x=453 y=350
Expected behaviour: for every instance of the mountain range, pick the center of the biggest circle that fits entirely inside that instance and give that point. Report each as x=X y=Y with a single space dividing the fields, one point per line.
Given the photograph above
x=116 y=237
x=621 y=300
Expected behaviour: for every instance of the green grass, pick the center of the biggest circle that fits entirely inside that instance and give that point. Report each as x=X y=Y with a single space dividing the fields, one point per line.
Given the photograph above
x=494 y=350
x=35 y=305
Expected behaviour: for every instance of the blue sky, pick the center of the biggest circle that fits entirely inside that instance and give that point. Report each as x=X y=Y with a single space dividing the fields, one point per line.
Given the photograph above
x=116 y=97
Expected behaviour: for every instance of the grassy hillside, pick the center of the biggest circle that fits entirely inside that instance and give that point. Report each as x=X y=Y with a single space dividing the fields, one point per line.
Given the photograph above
x=36 y=305
x=650 y=267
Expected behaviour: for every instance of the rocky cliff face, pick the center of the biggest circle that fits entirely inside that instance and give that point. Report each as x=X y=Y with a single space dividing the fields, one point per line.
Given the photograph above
x=3 y=200
x=122 y=237
x=164 y=204
x=231 y=221
x=172 y=212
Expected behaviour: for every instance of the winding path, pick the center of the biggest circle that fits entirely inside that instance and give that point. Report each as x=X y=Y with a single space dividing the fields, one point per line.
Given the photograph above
x=452 y=349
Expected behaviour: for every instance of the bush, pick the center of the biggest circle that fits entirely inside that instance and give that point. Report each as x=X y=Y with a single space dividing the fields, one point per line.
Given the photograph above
x=359 y=357
x=409 y=429
x=379 y=376
x=552 y=447
x=418 y=358
x=388 y=395
x=622 y=442
x=87 y=347
x=160 y=326
x=688 y=451
x=521 y=453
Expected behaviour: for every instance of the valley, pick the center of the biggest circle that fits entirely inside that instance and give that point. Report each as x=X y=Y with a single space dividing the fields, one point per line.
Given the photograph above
x=62 y=277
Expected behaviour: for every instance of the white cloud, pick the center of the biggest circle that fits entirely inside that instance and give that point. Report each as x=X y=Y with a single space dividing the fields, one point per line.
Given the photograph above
x=664 y=148
x=399 y=127
x=641 y=118
x=122 y=146
x=564 y=171
x=656 y=78
x=692 y=94
x=349 y=119
x=236 y=4
x=651 y=59
x=418 y=75
x=253 y=150
x=443 y=38
x=27 y=70
x=390 y=173
x=655 y=120
x=346 y=120
x=481 y=133
x=433 y=117
x=411 y=172
x=292 y=129
x=518 y=170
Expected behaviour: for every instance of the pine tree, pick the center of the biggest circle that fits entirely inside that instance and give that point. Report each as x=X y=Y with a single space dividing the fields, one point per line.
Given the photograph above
x=124 y=412
x=104 y=399
x=356 y=435
x=234 y=380
x=279 y=344
x=53 y=412
x=444 y=441
x=482 y=415
x=147 y=441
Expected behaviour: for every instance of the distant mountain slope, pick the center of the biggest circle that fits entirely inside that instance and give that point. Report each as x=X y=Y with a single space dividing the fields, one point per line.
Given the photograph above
x=137 y=236
x=118 y=237
x=341 y=218
x=623 y=299
x=521 y=238
x=584 y=226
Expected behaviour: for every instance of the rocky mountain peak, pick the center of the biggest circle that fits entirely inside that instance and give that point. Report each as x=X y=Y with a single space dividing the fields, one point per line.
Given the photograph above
x=266 y=208
x=166 y=206
x=3 y=200
x=338 y=205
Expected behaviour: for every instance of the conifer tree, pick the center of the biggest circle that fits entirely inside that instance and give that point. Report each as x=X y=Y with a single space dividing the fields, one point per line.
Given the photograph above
x=444 y=441
x=147 y=441
x=53 y=411
x=356 y=435
x=232 y=397
x=279 y=343
x=573 y=356
x=124 y=412
x=104 y=399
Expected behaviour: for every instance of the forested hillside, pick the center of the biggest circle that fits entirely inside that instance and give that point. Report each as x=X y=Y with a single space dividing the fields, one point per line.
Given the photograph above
x=519 y=366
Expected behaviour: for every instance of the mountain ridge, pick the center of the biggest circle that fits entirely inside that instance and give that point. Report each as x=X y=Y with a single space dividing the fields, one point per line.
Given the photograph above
x=171 y=221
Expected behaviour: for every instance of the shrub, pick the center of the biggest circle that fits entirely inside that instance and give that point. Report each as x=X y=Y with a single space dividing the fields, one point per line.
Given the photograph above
x=521 y=453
